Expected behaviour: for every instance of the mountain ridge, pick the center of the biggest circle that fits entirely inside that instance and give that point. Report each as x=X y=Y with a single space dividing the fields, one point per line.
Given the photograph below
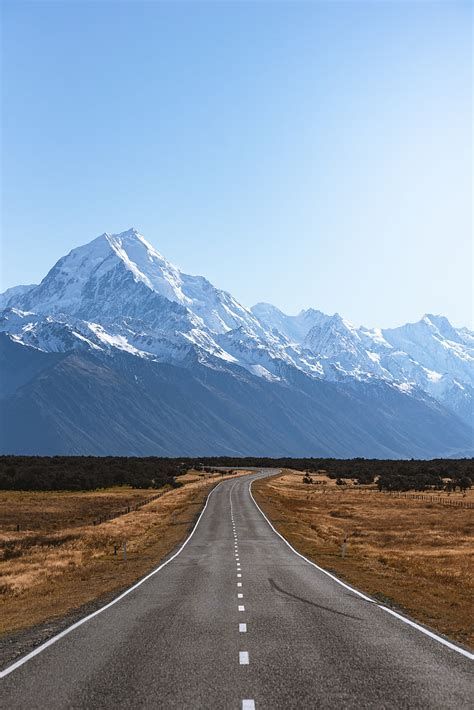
x=118 y=298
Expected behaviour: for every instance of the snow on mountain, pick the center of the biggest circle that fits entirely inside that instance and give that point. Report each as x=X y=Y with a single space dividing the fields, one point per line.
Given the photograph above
x=340 y=343
x=466 y=336
x=435 y=344
x=142 y=302
x=430 y=355
x=295 y=328
x=118 y=293
x=13 y=293
x=266 y=354
x=78 y=275
x=89 y=274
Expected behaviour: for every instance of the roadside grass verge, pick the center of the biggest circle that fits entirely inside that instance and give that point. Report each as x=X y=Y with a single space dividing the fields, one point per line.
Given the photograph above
x=414 y=555
x=59 y=560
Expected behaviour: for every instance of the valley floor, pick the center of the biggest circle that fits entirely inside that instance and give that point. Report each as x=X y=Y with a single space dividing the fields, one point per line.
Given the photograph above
x=59 y=560
x=415 y=555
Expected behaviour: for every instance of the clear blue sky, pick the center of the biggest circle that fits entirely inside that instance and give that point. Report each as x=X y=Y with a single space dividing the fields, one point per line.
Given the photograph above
x=306 y=154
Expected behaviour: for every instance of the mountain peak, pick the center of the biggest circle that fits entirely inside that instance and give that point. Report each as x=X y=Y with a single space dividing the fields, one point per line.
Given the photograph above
x=132 y=238
x=263 y=307
x=129 y=235
x=117 y=293
x=437 y=320
x=132 y=231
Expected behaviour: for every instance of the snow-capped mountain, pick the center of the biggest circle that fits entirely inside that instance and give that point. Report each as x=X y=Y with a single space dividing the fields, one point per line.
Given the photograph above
x=295 y=328
x=91 y=277
x=119 y=291
x=117 y=297
x=430 y=355
x=13 y=293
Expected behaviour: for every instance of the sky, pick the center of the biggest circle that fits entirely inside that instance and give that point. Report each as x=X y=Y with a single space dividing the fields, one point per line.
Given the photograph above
x=313 y=154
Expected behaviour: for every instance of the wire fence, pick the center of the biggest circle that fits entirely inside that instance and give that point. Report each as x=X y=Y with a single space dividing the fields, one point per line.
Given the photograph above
x=431 y=498
x=125 y=511
x=428 y=497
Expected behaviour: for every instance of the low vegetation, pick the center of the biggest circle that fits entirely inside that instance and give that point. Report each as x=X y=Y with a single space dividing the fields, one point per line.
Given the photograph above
x=54 y=559
x=80 y=473
x=92 y=472
x=414 y=554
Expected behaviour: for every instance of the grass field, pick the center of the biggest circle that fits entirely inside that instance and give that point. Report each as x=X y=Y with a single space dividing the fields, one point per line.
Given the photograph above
x=59 y=560
x=413 y=554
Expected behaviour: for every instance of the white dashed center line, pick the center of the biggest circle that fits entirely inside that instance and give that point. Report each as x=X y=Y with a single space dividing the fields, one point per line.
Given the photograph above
x=247 y=703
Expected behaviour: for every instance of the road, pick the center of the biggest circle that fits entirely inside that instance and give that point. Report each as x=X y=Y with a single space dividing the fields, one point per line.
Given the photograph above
x=238 y=620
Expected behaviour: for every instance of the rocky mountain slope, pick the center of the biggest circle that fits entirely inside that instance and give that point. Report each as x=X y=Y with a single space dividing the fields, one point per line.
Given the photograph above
x=118 y=351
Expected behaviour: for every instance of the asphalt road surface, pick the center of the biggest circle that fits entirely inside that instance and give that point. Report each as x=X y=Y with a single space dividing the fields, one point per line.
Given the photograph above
x=238 y=620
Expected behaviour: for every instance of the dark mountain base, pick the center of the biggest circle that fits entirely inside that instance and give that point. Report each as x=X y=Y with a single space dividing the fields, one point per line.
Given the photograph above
x=76 y=403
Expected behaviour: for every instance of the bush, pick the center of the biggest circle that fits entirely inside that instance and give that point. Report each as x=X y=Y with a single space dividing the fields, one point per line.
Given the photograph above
x=89 y=472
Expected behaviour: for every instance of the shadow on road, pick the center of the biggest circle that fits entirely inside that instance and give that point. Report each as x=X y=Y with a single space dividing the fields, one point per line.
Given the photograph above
x=275 y=586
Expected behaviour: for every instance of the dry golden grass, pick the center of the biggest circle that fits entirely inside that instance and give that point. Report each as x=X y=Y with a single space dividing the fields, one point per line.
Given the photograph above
x=53 y=510
x=59 y=560
x=416 y=554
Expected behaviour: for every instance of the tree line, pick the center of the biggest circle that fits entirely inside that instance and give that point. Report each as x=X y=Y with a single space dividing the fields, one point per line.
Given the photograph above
x=91 y=472
x=74 y=473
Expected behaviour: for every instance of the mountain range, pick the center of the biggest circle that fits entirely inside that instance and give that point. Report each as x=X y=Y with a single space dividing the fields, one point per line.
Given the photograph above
x=117 y=351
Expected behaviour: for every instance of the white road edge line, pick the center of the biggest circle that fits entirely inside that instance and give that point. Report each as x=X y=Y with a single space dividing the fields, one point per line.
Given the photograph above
x=432 y=635
x=67 y=631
